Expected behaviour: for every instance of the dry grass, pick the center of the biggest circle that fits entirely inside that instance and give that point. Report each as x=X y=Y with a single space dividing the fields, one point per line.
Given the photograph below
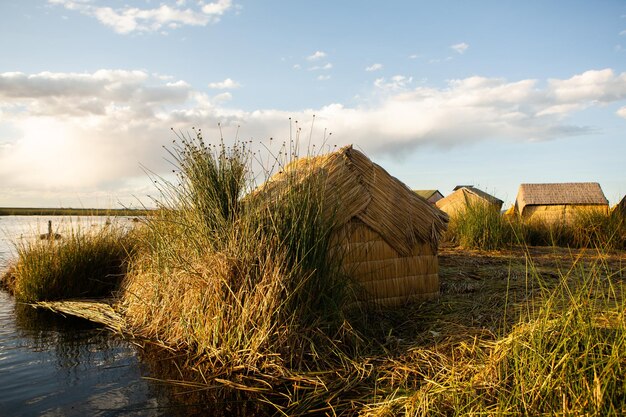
x=80 y=264
x=241 y=283
x=479 y=226
x=523 y=331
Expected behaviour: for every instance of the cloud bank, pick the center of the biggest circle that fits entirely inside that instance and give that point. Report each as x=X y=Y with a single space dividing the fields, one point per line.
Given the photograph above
x=75 y=132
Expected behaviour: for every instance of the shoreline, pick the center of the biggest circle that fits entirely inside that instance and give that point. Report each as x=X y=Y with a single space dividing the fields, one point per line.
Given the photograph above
x=35 y=211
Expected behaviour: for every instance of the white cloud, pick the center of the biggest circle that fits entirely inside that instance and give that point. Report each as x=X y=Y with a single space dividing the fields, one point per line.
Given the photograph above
x=130 y=19
x=82 y=133
x=224 y=85
x=460 y=47
x=374 y=67
x=586 y=89
x=324 y=67
x=323 y=77
x=316 y=56
x=217 y=8
x=297 y=66
x=223 y=97
x=396 y=83
x=622 y=33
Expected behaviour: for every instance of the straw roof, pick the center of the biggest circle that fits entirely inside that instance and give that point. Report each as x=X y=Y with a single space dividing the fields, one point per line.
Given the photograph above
x=480 y=193
x=425 y=193
x=357 y=188
x=462 y=186
x=428 y=194
x=465 y=195
x=570 y=193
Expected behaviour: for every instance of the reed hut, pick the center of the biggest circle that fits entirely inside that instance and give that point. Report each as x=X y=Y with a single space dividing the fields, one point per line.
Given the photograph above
x=465 y=195
x=387 y=235
x=554 y=203
x=432 y=196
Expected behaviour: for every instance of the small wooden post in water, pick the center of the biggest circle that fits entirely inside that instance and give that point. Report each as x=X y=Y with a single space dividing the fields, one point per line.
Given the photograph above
x=50 y=235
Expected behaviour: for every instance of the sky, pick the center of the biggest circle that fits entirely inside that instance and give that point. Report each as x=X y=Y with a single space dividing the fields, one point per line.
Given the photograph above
x=489 y=93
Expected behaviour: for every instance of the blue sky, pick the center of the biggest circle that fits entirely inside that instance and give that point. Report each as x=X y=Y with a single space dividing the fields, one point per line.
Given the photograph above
x=491 y=93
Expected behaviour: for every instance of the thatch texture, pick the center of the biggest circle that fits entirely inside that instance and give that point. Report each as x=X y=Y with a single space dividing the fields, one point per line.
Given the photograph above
x=387 y=277
x=457 y=202
x=98 y=311
x=432 y=196
x=559 y=213
x=387 y=233
x=559 y=202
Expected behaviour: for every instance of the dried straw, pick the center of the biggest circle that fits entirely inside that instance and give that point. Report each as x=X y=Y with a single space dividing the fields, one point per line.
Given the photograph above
x=99 y=311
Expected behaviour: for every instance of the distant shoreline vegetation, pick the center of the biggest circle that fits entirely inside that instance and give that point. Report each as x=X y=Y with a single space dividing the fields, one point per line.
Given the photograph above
x=34 y=211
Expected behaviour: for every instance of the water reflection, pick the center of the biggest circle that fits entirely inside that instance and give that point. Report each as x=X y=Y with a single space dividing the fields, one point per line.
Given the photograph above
x=75 y=343
x=50 y=365
x=213 y=400
x=63 y=366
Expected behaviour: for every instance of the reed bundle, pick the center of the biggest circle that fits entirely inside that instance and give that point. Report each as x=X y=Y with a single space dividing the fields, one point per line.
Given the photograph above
x=98 y=311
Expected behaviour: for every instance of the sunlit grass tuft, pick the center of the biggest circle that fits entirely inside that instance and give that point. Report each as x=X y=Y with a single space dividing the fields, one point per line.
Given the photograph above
x=81 y=264
x=480 y=226
x=243 y=279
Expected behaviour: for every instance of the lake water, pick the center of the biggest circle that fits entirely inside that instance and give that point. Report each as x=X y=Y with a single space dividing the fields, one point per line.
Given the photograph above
x=56 y=366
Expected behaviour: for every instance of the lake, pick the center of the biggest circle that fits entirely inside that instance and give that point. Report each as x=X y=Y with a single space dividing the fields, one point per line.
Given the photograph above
x=56 y=366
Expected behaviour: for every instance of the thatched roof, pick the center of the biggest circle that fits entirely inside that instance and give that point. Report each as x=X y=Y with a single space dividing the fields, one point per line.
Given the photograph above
x=425 y=193
x=357 y=188
x=462 y=186
x=567 y=193
x=465 y=195
x=480 y=193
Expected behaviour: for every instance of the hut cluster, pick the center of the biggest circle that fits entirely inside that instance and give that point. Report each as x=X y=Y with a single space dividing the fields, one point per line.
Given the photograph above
x=388 y=234
x=549 y=203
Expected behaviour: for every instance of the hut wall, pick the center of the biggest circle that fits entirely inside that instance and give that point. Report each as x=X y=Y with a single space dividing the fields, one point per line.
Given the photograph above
x=559 y=213
x=388 y=278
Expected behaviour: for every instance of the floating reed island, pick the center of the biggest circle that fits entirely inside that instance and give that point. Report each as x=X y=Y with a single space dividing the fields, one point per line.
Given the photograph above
x=325 y=291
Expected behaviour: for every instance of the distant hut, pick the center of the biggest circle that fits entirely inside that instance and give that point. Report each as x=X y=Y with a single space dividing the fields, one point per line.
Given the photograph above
x=387 y=234
x=432 y=196
x=553 y=203
x=465 y=195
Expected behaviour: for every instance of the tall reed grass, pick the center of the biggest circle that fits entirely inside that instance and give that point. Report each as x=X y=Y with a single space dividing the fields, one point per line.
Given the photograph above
x=480 y=226
x=242 y=278
x=564 y=355
x=81 y=264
